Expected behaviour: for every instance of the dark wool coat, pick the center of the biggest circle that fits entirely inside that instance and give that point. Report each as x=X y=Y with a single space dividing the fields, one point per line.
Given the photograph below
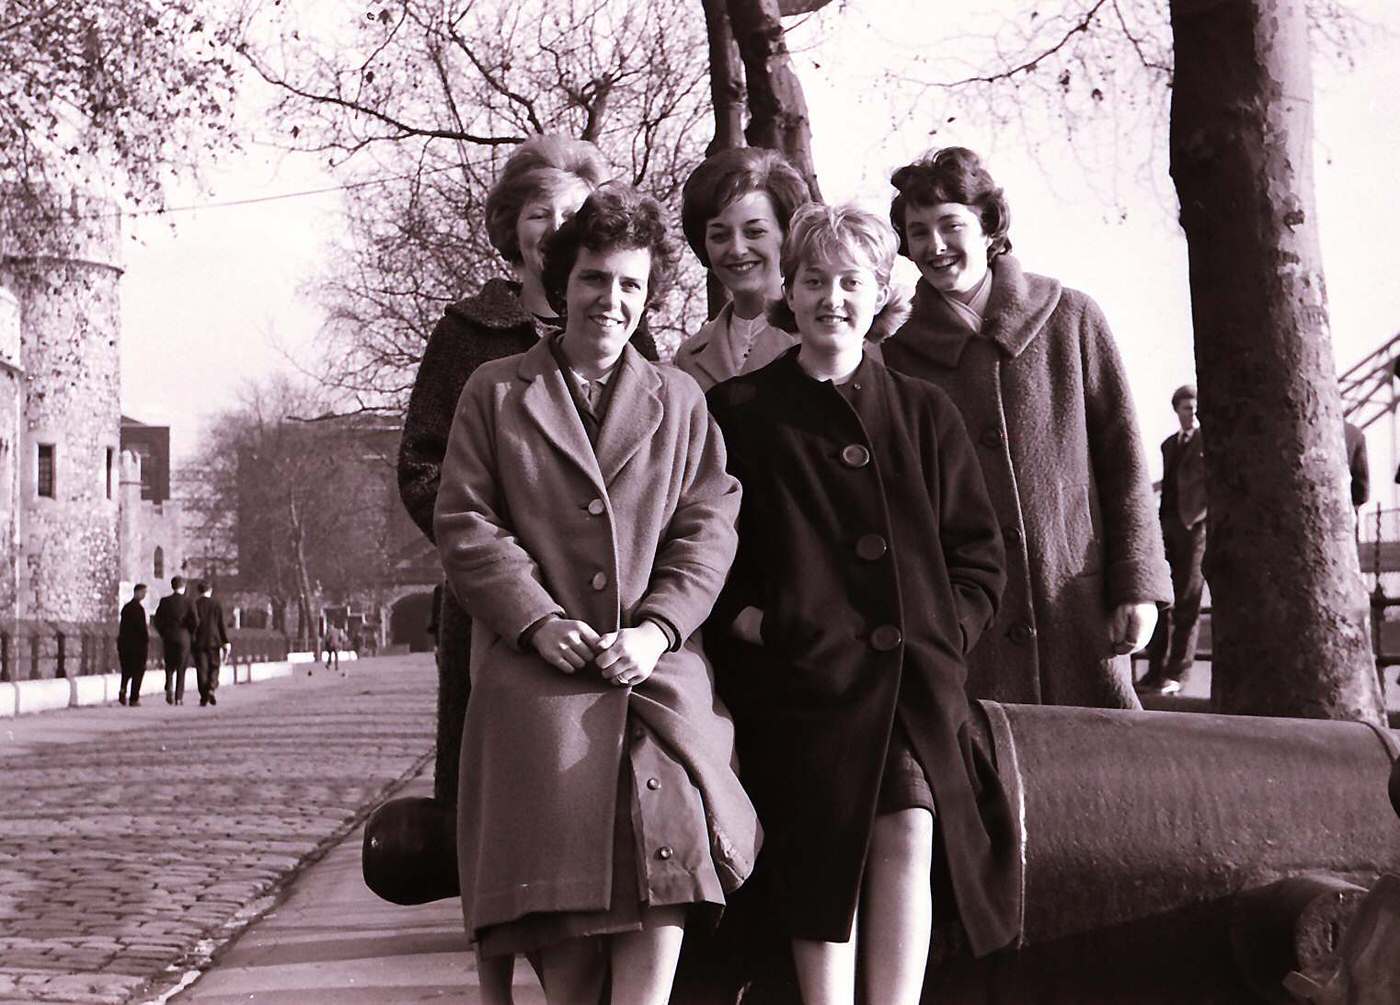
x=133 y=637
x=487 y=326
x=1046 y=401
x=531 y=520
x=867 y=540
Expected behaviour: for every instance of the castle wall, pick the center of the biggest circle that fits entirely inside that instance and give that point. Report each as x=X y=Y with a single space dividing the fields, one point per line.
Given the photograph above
x=70 y=324
x=11 y=425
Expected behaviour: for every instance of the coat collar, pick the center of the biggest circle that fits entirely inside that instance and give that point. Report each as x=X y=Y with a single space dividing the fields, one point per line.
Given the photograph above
x=1019 y=307
x=705 y=350
x=632 y=419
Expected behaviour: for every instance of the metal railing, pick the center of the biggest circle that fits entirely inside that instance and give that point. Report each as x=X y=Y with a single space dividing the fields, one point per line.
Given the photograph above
x=39 y=650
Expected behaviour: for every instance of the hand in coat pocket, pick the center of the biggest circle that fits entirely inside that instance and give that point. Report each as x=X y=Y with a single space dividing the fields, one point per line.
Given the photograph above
x=748 y=626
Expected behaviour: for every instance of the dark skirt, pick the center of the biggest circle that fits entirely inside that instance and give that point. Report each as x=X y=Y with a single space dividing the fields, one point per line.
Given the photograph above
x=904 y=785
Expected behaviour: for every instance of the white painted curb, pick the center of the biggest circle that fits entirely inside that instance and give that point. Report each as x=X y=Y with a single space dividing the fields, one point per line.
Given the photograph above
x=23 y=697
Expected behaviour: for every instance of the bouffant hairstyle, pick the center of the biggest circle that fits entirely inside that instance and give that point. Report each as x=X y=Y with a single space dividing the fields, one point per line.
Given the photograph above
x=729 y=174
x=538 y=168
x=615 y=216
x=953 y=174
x=822 y=233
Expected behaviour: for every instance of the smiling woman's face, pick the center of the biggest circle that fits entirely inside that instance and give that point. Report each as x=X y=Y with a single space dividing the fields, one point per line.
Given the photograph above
x=743 y=241
x=605 y=298
x=541 y=216
x=947 y=243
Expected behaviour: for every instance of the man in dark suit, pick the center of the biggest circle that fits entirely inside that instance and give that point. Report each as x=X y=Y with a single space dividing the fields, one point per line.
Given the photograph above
x=133 y=638
x=177 y=622
x=1183 y=514
x=211 y=643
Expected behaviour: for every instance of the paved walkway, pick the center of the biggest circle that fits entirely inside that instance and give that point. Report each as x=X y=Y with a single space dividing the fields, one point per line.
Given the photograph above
x=134 y=842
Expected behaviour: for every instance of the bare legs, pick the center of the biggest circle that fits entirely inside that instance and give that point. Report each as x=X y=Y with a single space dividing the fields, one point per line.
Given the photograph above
x=893 y=939
x=642 y=963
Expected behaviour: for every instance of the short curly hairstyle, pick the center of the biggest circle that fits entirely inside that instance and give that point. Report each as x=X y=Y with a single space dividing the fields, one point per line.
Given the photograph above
x=615 y=216
x=953 y=174
x=538 y=167
x=729 y=174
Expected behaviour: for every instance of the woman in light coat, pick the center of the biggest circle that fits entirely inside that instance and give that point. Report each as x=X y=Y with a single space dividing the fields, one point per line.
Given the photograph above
x=586 y=520
x=1033 y=368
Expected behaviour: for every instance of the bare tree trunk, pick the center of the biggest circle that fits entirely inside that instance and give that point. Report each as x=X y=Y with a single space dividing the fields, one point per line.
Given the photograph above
x=777 y=109
x=1289 y=628
x=309 y=624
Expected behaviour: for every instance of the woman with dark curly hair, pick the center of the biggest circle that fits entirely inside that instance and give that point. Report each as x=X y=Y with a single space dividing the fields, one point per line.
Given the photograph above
x=586 y=520
x=735 y=209
x=543 y=183
x=1034 y=370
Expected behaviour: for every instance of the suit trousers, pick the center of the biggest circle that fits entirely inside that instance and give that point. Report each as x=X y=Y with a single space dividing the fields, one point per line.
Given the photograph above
x=206 y=672
x=133 y=668
x=177 y=658
x=1172 y=650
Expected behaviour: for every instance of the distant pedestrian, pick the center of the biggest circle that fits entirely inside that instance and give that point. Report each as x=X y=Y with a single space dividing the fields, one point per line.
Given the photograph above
x=133 y=643
x=334 y=643
x=176 y=621
x=1033 y=368
x=1358 y=466
x=211 y=643
x=1172 y=651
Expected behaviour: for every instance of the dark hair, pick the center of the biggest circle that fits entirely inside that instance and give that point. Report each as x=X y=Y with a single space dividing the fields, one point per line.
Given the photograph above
x=729 y=174
x=953 y=174
x=538 y=167
x=138 y=586
x=176 y=582
x=1184 y=391
x=615 y=216
x=200 y=586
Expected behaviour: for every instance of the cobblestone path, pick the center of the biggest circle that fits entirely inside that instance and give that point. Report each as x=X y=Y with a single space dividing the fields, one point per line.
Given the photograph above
x=130 y=852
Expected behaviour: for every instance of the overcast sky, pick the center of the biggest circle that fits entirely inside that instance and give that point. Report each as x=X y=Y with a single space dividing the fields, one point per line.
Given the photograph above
x=220 y=298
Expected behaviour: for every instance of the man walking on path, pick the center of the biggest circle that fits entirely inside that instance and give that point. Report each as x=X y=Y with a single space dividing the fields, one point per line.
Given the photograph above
x=1183 y=514
x=176 y=621
x=133 y=638
x=211 y=644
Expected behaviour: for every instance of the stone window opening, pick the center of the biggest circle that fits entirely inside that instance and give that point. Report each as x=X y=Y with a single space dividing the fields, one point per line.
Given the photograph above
x=111 y=461
x=159 y=570
x=45 y=471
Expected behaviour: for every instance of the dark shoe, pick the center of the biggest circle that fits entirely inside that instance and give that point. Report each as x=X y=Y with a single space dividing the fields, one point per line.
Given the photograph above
x=134 y=703
x=121 y=699
x=203 y=701
x=169 y=698
x=213 y=700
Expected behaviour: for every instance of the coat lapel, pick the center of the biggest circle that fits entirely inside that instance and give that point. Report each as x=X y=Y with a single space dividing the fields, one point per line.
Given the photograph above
x=547 y=402
x=705 y=351
x=633 y=416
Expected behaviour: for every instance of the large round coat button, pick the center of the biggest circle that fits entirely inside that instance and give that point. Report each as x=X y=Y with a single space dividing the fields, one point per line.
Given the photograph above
x=871 y=547
x=991 y=437
x=855 y=455
x=1021 y=632
x=664 y=852
x=885 y=638
x=653 y=784
x=599 y=580
x=596 y=507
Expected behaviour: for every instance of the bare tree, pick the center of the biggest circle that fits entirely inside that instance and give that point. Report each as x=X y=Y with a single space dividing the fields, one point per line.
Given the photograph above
x=112 y=97
x=434 y=96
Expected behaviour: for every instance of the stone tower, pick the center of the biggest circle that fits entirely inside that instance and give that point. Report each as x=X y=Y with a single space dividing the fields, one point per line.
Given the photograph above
x=67 y=460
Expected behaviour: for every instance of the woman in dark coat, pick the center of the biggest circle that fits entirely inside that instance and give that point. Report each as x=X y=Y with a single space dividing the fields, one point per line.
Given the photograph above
x=544 y=182
x=1034 y=371
x=870 y=559
x=586 y=519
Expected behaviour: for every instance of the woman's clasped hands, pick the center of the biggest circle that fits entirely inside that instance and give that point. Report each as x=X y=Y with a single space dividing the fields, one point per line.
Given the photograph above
x=625 y=657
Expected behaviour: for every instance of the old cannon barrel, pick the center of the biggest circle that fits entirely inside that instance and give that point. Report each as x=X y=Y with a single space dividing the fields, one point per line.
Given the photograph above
x=1139 y=829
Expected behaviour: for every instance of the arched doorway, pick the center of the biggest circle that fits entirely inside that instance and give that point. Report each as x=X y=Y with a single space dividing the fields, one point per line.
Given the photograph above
x=408 y=622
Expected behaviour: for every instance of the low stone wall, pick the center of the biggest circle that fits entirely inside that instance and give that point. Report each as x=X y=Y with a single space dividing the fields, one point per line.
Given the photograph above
x=44 y=695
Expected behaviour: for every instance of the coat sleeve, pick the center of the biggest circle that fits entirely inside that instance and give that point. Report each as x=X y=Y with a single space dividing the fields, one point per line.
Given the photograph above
x=486 y=565
x=973 y=551
x=698 y=547
x=191 y=618
x=220 y=630
x=1135 y=565
x=441 y=374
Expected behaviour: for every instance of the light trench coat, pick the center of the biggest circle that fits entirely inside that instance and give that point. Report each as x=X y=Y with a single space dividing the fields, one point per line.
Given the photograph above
x=531 y=520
